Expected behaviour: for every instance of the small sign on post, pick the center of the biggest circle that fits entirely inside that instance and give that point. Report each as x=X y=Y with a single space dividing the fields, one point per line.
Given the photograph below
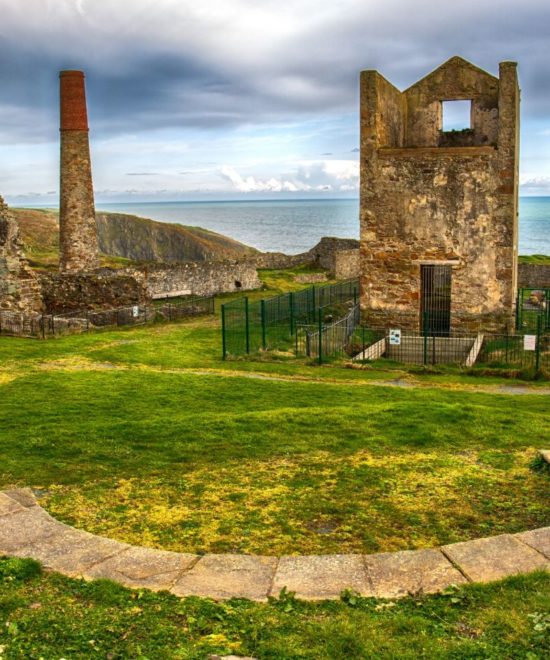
x=529 y=342
x=135 y=311
x=395 y=337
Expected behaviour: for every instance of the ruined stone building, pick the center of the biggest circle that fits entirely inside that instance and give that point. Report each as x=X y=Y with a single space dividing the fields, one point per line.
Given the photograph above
x=438 y=204
x=20 y=289
x=78 y=244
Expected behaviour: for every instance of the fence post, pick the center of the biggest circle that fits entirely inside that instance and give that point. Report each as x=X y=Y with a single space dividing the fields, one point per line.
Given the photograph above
x=42 y=323
x=539 y=336
x=425 y=333
x=262 y=310
x=518 y=299
x=224 y=346
x=291 y=311
x=246 y=325
x=507 y=343
x=312 y=302
x=320 y=324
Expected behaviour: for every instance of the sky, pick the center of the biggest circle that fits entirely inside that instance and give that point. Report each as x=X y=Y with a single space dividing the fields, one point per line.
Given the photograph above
x=223 y=99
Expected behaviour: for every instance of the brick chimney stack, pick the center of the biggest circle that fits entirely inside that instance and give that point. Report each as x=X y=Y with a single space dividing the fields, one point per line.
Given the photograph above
x=77 y=226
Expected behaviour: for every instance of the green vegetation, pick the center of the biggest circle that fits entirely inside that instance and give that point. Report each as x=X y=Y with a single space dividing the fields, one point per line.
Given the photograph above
x=542 y=259
x=146 y=435
x=126 y=240
x=49 y=616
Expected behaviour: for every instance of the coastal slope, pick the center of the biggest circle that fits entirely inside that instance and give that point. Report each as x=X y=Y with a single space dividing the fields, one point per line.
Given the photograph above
x=124 y=238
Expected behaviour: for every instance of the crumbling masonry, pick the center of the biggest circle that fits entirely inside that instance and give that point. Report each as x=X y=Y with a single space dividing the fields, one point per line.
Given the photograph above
x=19 y=287
x=439 y=208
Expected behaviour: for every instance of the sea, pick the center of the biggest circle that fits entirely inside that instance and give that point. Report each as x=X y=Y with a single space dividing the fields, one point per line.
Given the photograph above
x=294 y=226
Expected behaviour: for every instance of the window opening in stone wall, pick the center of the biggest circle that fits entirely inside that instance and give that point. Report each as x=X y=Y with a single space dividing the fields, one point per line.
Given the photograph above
x=456 y=115
x=436 y=300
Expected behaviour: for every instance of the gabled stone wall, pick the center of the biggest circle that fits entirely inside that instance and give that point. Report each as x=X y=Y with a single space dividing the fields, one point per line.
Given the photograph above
x=433 y=197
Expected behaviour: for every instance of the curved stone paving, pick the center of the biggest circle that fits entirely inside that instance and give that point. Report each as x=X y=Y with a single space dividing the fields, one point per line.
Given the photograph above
x=26 y=530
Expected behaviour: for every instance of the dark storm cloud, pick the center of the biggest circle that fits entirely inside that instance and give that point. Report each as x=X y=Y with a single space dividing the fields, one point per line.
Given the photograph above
x=137 y=81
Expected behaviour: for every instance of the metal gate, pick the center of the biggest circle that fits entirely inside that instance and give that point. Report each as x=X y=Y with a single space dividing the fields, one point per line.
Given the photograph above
x=436 y=300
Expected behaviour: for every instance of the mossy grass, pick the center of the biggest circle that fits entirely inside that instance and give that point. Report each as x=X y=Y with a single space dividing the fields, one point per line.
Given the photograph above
x=147 y=435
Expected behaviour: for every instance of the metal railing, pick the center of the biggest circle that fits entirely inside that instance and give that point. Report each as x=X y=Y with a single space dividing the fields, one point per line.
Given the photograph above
x=271 y=323
x=532 y=304
x=53 y=325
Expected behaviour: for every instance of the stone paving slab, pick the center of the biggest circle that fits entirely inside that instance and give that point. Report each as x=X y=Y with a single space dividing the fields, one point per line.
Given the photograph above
x=396 y=574
x=26 y=530
x=228 y=576
x=8 y=505
x=24 y=496
x=321 y=577
x=494 y=558
x=71 y=551
x=143 y=568
x=27 y=527
x=539 y=539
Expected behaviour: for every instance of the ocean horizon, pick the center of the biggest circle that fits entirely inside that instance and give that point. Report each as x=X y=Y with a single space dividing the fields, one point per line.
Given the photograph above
x=296 y=225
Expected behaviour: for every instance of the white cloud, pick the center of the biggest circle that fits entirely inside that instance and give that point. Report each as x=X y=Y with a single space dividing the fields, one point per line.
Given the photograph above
x=309 y=176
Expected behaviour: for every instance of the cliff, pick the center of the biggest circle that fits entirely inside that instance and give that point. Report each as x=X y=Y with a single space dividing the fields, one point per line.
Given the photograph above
x=124 y=238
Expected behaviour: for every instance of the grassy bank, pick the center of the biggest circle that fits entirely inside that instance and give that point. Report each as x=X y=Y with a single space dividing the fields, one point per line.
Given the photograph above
x=49 y=616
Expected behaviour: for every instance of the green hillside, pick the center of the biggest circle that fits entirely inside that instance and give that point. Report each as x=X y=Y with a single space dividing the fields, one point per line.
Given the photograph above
x=126 y=239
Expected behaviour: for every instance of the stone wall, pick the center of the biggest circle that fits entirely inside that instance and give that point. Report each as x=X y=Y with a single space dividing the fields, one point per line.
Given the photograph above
x=108 y=288
x=534 y=276
x=426 y=203
x=19 y=286
x=103 y=289
x=346 y=264
x=339 y=256
x=196 y=278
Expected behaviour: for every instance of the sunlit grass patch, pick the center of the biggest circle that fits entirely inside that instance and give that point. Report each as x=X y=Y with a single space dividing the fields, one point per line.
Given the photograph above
x=317 y=503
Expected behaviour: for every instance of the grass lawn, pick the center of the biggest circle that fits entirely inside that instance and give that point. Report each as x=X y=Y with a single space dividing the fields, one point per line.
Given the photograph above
x=49 y=616
x=146 y=435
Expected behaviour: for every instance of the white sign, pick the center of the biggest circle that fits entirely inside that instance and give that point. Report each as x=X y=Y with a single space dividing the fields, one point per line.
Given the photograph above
x=529 y=342
x=395 y=337
x=135 y=311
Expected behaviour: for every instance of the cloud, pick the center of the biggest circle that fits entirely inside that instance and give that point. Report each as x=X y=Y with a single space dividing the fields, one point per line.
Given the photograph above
x=142 y=173
x=322 y=176
x=539 y=185
x=218 y=64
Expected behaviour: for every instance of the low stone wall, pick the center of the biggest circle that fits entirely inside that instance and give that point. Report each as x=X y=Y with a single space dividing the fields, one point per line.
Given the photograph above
x=340 y=256
x=71 y=292
x=196 y=278
x=534 y=276
x=324 y=253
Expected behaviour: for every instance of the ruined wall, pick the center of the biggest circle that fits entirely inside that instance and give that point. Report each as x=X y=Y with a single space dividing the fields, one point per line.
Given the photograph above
x=346 y=264
x=19 y=287
x=197 y=278
x=426 y=203
x=334 y=254
x=78 y=243
x=103 y=289
x=534 y=276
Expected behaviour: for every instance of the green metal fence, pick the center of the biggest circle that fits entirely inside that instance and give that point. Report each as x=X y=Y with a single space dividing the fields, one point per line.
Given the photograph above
x=511 y=351
x=271 y=323
x=532 y=304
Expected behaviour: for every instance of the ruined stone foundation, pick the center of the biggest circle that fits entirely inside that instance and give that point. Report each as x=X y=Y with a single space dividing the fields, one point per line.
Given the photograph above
x=78 y=233
x=20 y=289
